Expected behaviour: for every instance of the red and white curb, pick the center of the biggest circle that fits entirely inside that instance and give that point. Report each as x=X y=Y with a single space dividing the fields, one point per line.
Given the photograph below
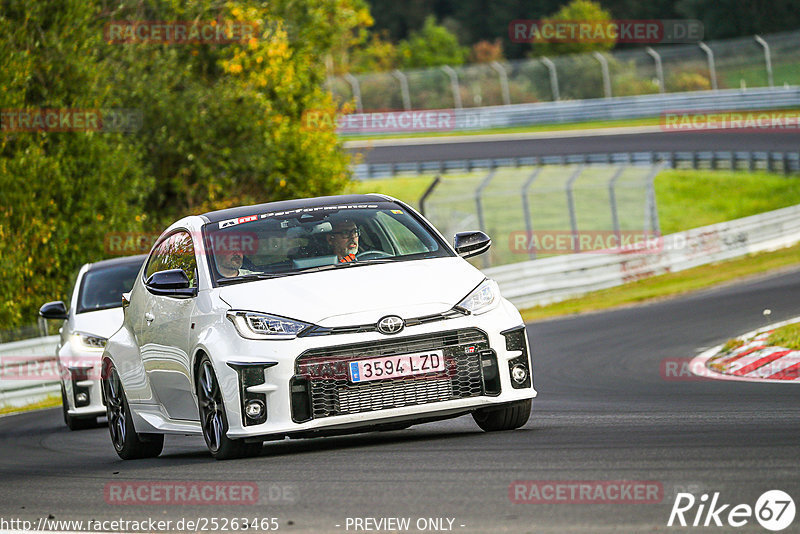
x=754 y=361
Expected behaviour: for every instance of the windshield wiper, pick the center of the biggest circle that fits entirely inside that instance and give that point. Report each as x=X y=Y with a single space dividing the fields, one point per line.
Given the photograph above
x=250 y=278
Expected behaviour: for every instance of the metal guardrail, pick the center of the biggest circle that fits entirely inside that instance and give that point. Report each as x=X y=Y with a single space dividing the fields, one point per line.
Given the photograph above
x=786 y=162
x=624 y=107
x=27 y=368
x=556 y=278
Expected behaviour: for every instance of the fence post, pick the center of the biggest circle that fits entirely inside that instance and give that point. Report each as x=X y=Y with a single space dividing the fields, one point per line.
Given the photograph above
x=428 y=193
x=501 y=71
x=479 y=206
x=527 y=209
x=612 y=199
x=551 y=67
x=573 y=221
x=401 y=77
x=450 y=71
x=651 y=211
x=604 y=69
x=659 y=68
x=353 y=81
x=767 y=58
x=712 y=70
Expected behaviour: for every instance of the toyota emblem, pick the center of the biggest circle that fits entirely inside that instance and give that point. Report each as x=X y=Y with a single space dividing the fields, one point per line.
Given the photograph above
x=391 y=324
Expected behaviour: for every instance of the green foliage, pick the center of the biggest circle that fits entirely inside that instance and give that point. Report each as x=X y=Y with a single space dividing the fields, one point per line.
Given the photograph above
x=222 y=125
x=431 y=46
x=786 y=336
x=577 y=11
x=60 y=191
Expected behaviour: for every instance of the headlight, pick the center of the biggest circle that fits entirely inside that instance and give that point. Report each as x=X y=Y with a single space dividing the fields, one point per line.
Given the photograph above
x=252 y=325
x=482 y=299
x=85 y=341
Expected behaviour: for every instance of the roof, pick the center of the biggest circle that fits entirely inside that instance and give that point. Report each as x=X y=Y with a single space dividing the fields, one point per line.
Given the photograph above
x=282 y=205
x=114 y=262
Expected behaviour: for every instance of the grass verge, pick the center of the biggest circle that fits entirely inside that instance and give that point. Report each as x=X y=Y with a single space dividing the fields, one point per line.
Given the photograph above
x=553 y=127
x=671 y=284
x=786 y=336
x=50 y=402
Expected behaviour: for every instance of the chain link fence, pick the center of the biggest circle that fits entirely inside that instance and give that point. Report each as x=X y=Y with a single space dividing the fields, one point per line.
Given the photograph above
x=539 y=211
x=773 y=60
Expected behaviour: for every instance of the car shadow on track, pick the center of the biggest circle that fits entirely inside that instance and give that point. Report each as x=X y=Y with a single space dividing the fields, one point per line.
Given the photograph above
x=295 y=447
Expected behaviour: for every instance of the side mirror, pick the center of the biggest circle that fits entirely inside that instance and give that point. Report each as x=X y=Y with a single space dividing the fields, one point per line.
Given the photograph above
x=171 y=283
x=54 y=310
x=468 y=244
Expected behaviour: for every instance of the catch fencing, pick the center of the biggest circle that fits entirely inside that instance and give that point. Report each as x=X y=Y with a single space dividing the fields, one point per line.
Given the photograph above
x=738 y=63
x=520 y=205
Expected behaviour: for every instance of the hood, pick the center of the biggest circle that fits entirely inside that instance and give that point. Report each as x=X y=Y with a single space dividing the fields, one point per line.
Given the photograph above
x=100 y=323
x=360 y=295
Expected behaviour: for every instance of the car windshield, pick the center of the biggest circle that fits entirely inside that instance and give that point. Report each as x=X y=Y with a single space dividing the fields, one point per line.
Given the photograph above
x=266 y=245
x=102 y=288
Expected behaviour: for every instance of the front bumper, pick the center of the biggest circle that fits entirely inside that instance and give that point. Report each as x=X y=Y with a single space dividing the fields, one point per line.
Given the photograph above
x=80 y=376
x=477 y=351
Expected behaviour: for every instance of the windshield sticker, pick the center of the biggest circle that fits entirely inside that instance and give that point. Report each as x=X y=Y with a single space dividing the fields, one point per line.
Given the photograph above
x=238 y=220
x=320 y=208
x=397 y=212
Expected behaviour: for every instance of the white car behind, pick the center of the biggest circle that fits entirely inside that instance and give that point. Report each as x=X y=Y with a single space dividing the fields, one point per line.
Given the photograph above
x=93 y=315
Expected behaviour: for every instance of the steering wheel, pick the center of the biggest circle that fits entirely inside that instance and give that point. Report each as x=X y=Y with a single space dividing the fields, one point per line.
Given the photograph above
x=373 y=255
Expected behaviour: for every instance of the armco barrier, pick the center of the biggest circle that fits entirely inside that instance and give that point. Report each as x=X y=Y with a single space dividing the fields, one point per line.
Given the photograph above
x=15 y=390
x=621 y=107
x=557 y=278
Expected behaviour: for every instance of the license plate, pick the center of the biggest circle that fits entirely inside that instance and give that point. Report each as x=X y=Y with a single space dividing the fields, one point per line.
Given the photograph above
x=397 y=366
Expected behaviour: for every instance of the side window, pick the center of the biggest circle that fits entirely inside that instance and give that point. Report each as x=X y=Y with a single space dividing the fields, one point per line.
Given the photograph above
x=175 y=252
x=406 y=241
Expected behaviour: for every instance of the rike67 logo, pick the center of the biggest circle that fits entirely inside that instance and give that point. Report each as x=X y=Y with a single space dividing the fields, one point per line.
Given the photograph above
x=774 y=510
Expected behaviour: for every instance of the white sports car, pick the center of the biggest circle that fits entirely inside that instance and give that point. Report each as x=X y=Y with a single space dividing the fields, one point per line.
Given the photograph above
x=311 y=317
x=94 y=313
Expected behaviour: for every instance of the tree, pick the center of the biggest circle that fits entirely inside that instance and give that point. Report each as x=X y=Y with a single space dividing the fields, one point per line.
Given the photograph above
x=575 y=11
x=60 y=192
x=432 y=46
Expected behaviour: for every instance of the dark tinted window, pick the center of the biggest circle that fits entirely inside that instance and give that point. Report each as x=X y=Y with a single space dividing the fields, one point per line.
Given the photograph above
x=103 y=288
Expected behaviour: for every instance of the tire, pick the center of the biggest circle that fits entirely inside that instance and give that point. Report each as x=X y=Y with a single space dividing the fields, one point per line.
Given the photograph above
x=507 y=417
x=128 y=444
x=214 y=419
x=72 y=422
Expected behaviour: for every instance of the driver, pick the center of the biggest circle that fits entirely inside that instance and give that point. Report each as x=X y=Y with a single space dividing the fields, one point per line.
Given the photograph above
x=343 y=240
x=229 y=262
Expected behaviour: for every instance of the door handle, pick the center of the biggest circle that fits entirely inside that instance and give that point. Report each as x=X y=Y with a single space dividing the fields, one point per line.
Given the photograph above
x=149 y=317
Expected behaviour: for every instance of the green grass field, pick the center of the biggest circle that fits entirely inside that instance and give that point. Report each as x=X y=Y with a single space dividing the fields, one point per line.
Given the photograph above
x=685 y=198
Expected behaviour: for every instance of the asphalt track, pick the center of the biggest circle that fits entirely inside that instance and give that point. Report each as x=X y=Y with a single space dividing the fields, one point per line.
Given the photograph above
x=604 y=412
x=582 y=144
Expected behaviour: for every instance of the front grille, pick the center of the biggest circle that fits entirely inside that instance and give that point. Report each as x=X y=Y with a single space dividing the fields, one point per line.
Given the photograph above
x=332 y=393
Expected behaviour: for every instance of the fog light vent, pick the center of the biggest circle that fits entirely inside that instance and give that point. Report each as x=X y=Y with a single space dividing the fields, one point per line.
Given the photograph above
x=301 y=399
x=253 y=405
x=489 y=369
x=519 y=368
